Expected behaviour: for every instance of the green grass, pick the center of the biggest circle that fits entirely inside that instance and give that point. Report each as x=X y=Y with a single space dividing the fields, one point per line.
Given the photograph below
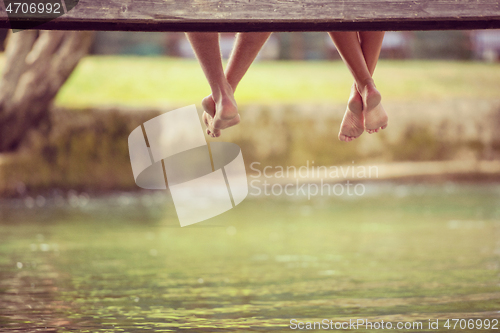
x=141 y=81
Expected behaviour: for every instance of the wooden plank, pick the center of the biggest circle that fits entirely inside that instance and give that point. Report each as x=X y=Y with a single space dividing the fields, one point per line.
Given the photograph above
x=270 y=15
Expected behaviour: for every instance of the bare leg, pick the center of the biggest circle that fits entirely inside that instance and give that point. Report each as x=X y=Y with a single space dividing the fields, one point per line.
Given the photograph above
x=364 y=96
x=206 y=48
x=246 y=48
x=349 y=48
x=371 y=43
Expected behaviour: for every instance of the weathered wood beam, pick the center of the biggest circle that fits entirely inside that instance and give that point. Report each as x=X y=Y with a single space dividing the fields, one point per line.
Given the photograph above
x=269 y=15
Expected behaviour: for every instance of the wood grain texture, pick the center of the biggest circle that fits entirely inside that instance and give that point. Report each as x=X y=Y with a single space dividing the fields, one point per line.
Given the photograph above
x=275 y=15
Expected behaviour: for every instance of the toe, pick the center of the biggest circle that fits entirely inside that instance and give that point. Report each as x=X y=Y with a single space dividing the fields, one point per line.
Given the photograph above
x=346 y=138
x=206 y=118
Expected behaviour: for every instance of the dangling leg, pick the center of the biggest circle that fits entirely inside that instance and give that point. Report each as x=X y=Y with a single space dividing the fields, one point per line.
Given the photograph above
x=364 y=96
x=348 y=45
x=207 y=50
x=371 y=43
x=245 y=50
x=349 y=48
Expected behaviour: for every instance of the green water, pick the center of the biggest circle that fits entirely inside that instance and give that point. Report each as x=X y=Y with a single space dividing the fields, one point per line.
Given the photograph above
x=400 y=253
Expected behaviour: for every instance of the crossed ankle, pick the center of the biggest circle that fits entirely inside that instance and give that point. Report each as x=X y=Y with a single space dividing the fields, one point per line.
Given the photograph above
x=221 y=90
x=365 y=84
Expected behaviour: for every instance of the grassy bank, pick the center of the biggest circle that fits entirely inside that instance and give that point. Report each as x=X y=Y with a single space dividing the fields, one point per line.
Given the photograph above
x=290 y=114
x=140 y=81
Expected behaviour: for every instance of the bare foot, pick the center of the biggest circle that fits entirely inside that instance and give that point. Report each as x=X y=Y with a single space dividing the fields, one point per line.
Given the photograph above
x=352 y=125
x=375 y=116
x=221 y=114
x=370 y=94
x=376 y=119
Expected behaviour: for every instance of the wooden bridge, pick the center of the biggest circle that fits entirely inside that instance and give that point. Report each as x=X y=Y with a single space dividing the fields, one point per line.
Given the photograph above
x=253 y=15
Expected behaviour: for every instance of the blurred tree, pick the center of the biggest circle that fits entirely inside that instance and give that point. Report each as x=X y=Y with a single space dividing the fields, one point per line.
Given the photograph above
x=3 y=37
x=37 y=63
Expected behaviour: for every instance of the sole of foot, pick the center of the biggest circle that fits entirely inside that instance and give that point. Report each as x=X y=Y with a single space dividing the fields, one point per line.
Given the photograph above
x=353 y=122
x=375 y=117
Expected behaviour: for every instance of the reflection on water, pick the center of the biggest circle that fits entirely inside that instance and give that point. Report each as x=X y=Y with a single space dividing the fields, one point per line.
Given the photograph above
x=122 y=263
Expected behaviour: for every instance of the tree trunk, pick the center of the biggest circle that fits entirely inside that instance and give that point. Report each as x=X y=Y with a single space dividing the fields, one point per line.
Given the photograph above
x=36 y=66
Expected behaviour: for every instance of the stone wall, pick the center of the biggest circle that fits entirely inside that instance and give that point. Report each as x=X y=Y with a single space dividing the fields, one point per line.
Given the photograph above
x=86 y=150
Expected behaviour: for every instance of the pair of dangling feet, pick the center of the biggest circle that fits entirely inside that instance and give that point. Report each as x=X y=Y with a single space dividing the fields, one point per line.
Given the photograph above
x=227 y=111
x=364 y=112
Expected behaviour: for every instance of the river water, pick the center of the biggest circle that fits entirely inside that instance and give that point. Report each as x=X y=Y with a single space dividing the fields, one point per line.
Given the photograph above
x=401 y=253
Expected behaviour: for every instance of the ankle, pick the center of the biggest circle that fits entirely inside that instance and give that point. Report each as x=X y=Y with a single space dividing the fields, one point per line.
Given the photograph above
x=221 y=91
x=364 y=84
x=233 y=83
